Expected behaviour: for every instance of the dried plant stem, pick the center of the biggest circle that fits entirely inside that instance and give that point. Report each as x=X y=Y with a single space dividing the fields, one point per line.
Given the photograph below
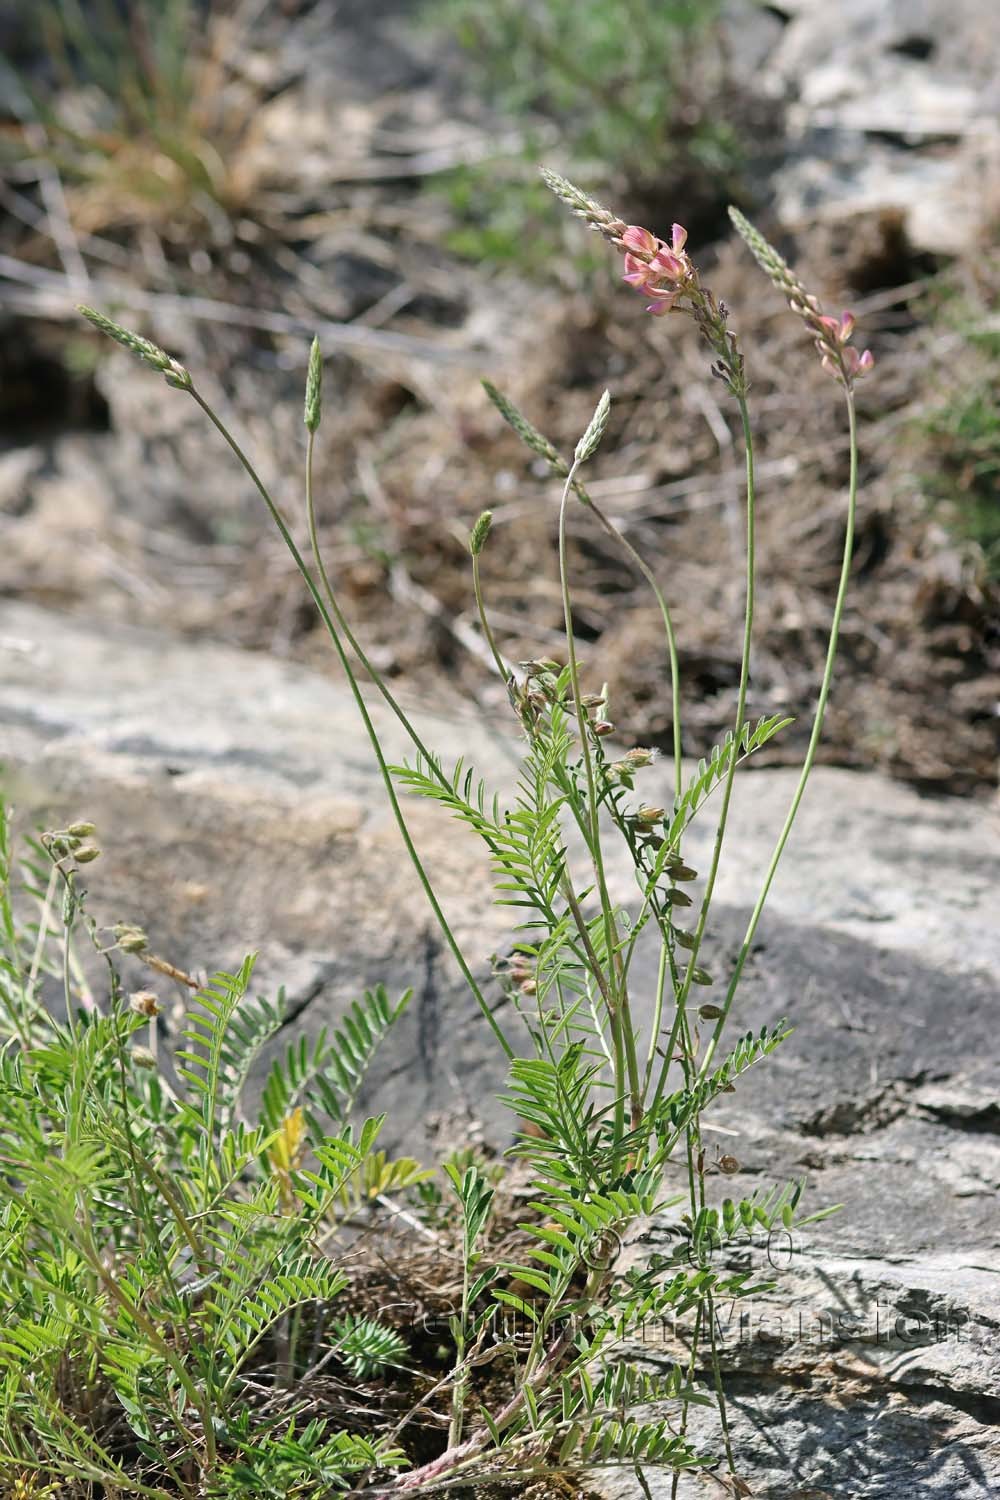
x=814 y=738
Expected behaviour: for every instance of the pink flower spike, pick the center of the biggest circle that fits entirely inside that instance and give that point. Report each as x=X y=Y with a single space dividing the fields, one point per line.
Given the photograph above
x=637 y=238
x=637 y=272
x=679 y=240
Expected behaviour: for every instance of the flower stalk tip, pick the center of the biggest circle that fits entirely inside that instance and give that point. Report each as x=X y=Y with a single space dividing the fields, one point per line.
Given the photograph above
x=172 y=371
x=314 y=387
x=830 y=335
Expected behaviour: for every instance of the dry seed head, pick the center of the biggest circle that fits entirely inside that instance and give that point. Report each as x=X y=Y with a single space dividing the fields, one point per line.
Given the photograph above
x=479 y=533
x=314 y=387
x=173 y=372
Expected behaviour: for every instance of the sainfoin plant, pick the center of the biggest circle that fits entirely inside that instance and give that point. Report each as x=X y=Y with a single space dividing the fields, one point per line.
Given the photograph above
x=161 y=1269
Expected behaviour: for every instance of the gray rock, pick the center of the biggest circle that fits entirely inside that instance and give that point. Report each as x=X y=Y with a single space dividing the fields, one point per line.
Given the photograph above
x=892 y=104
x=238 y=809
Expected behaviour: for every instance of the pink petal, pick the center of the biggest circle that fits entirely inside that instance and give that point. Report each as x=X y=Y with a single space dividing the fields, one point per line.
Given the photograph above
x=680 y=235
x=637 y=238
x=637 y=272
x=662 y=305
x=866 y=362
x=847 y=322
x=668 y=264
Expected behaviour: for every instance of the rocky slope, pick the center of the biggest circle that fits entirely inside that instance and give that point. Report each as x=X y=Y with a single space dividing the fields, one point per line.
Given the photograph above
x=238 y=809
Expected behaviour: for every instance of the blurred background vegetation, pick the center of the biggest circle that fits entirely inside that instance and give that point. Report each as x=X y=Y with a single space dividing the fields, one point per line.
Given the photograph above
x=230 y=175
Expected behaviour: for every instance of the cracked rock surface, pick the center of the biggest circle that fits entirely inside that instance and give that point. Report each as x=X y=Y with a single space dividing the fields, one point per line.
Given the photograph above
x=239 y=810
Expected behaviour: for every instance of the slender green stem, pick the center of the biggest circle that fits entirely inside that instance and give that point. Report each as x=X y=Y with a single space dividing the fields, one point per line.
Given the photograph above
x=623 y=1037
x=477 y=587
x=668 y=626
x=727 y=793
x=720 y=1395
x=814 y=738
x=356 y=693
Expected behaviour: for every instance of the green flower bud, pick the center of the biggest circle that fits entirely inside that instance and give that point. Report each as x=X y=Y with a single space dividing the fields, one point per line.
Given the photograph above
x=314 y=387
x=479 y=533
x=591 y=440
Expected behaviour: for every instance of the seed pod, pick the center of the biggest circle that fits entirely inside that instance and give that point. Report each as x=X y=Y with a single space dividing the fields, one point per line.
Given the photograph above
x=86 y=854
x=710 y=1012
x=130 y=939
x=143 y=1058
x=702 y=976
x=683 y=872
x=145 y=1003
x=648 y=817
x=685 y=939
x=728 y=1165
x=677 y=898
x=81 y=830
x=640 y=757
x=603 y=727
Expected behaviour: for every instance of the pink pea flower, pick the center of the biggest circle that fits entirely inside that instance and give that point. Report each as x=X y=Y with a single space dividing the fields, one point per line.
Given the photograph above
x=638 y=273
x=637 y=238
x=649 y=262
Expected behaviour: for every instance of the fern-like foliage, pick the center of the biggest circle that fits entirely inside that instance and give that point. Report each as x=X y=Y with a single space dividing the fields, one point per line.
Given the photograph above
x=223 y=1040
x=712 y=770
x=367 y=1347
x=327 y=1073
